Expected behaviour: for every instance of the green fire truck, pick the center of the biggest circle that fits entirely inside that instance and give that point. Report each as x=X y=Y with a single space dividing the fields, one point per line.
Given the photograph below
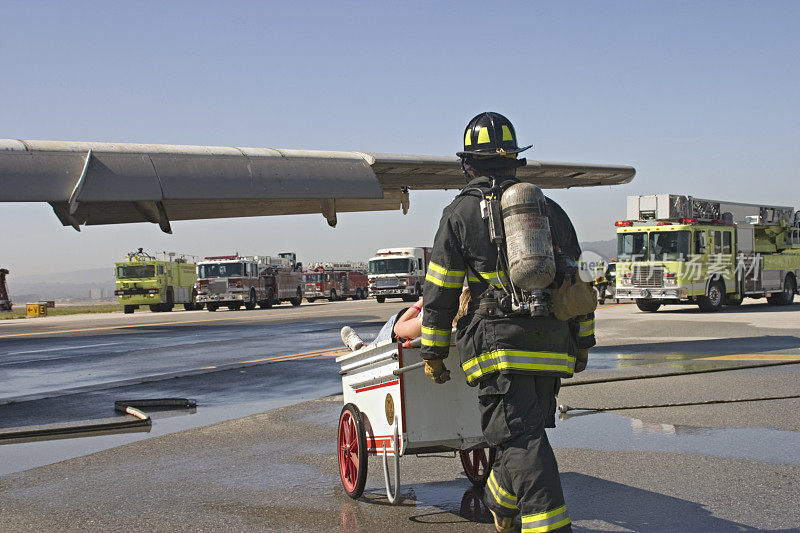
x=681 y=249
x=158 y=283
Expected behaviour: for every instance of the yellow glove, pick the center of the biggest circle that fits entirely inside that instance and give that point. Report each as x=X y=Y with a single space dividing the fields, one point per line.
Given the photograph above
x=581 y=359
x=436 y=370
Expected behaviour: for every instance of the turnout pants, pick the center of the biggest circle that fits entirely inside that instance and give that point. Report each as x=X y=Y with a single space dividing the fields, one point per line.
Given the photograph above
x=515 y=409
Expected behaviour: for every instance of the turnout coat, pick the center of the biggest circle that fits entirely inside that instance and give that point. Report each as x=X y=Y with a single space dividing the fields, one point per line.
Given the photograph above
x=487 y=344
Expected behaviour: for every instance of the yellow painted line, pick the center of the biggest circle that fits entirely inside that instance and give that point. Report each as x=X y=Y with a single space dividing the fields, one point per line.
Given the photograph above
x=207 y=367
x=610 y=306
x=754 y=357
x=128 y=326
x=315 y=352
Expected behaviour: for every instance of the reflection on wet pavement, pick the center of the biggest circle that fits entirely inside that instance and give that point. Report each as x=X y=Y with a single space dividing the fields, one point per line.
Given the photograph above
x=606 y=431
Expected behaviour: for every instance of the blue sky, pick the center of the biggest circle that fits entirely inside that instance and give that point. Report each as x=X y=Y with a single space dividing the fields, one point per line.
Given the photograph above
x=703 y=98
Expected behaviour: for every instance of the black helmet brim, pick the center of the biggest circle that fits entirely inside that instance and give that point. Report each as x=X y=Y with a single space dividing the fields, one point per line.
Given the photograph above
x=493 y=153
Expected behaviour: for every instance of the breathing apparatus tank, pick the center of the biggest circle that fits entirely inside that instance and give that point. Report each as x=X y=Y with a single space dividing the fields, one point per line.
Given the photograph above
x=529 y=243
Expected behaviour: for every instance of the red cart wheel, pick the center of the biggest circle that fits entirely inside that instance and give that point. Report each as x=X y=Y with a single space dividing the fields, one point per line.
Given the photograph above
x=352 y=442
x=477 y=464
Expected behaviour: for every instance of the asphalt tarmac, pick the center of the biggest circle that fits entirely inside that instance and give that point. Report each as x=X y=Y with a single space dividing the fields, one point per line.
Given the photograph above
x=721 y=467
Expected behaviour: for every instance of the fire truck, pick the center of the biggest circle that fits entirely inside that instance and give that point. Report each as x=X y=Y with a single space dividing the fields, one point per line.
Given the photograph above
x=681 y=249
x=5 y=300
x=336 y=281
x=158 y=283
x=398 y=273
x=246 y=281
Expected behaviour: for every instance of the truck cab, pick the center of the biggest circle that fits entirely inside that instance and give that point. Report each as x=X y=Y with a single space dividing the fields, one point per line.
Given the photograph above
x=398 y=273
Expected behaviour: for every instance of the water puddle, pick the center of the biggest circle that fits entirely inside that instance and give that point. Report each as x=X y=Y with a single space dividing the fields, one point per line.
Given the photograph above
x=607 y=431
x=23 y=456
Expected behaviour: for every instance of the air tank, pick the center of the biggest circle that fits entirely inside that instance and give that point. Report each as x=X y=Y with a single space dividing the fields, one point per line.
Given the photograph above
x=528 y=241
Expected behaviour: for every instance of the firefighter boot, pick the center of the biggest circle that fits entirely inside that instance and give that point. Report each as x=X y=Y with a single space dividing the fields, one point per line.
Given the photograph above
x=502 y=524
x=351 y=339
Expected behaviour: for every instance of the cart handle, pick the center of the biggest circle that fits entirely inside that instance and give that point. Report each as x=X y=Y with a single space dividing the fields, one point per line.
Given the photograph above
x=408 y=368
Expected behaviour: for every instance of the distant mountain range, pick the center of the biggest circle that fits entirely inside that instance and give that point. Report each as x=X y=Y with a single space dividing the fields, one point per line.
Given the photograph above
x=78 y=284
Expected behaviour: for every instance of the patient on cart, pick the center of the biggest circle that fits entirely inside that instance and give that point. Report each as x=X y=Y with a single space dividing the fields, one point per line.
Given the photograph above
x=405 y=325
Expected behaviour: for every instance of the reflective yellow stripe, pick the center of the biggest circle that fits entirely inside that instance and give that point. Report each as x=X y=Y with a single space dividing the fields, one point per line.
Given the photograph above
x=507 y=134
x=435 y=337
x=447 y=284
x=544 y=529
x=501 y=496
x=467 y=140
x=501 y=489
x=524 y=360
x=445 y=272
x=483 y=135
x=494 y=278
x=450 y=279
x=549 y=521
x=586 y=328
x=436 y=331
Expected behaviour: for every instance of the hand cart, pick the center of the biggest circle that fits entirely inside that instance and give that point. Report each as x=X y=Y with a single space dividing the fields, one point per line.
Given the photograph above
x=391 y=408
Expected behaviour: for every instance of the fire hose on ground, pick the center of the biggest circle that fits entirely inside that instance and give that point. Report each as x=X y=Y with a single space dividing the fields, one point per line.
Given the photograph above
x=137 y=421
x=566 y=408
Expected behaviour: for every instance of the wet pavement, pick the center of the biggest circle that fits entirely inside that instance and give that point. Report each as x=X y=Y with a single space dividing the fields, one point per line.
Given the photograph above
x=722 y=467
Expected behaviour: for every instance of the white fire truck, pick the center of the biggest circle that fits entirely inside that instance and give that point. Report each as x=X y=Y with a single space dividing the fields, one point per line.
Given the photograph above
x=235 y=281
x=336 y=281
x=674 y=249
x=398 y=273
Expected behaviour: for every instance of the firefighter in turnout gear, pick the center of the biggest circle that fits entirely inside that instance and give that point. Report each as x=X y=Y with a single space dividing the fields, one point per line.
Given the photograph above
x=515 y=353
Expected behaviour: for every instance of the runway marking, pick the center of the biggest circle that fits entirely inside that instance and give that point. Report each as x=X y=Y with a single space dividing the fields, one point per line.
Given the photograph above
x=753 y=357
x=129 y=326
x=327 y=352
x=63 y=348
x=610 y=306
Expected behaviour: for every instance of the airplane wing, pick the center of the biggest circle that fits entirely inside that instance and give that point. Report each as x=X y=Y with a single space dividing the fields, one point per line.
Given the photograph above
x=113 y=183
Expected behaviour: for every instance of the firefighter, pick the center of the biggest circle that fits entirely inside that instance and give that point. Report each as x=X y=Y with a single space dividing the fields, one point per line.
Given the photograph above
x=516 y=360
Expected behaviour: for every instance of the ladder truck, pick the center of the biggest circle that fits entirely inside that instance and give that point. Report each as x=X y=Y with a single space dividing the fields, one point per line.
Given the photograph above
x=336 y=281
x=680 y=249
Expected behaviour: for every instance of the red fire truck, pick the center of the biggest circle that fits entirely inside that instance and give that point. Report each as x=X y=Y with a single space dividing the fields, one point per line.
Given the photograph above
x=336 y=281
x=235 y=281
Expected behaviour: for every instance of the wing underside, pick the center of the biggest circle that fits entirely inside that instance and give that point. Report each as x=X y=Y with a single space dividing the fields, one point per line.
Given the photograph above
x=113 y=183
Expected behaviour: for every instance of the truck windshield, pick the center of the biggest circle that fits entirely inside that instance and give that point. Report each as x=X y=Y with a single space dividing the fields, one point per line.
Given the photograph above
x=220 y=270
x=632 y=246
x=313 y=278
x=669 y=245
x=390 y=266
x=136 y=271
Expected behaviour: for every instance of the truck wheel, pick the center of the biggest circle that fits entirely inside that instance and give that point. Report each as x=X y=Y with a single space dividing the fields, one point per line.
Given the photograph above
x=648 y=305
x=234 y=306
x=155 y=308
x=298 y=299
x=251 y=303
x=212 y=307
x=332 y=296
x=311 y=300
x=191 y=306
x=170 y=303
x=380 y=299
x=266 y=304
x=787 y=296
x=128 y=309
x=714 y=299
